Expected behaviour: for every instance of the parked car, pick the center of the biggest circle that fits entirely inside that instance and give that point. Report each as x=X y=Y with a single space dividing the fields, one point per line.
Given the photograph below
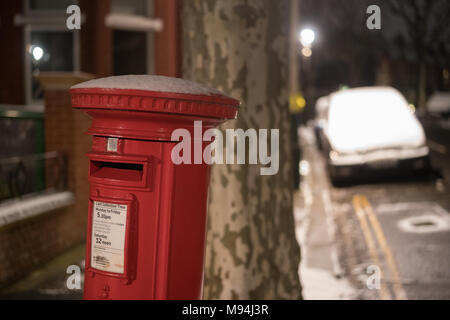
x=320 y=119
x=439 y=104
x=436 y=116
x=372 y=128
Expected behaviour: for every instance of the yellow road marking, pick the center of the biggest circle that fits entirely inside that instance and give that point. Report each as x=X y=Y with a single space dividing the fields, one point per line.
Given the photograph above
x=397 y=284
x=371 y=246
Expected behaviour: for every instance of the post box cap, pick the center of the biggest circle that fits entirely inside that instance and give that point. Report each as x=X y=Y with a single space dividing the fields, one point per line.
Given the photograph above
x=153 y=93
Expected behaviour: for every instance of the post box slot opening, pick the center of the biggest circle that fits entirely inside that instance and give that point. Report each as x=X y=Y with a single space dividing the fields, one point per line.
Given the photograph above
x=117 y=170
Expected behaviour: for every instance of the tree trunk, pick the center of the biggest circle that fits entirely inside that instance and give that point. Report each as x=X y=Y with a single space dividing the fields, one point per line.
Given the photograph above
x=241 y=48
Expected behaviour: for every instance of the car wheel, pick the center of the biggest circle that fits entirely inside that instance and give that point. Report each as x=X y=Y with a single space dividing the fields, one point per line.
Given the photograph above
x=425 y=169
x=336 y=179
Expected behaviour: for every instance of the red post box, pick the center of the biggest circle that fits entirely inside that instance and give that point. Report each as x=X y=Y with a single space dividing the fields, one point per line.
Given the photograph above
x=146 y=220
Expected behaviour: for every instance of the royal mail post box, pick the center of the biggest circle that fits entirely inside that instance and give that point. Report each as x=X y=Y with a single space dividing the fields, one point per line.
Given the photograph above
x=146 y=219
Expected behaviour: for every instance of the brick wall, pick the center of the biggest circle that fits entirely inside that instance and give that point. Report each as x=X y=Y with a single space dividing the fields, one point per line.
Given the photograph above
x=28 y=244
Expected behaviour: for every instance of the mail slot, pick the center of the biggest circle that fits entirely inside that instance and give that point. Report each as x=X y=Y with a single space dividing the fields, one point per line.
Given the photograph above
x=147 y=215
x=119 y=170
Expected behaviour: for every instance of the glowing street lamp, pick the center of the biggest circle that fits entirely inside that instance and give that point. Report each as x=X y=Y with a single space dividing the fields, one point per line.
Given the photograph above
x=306 y=52
x=307 y=37
x=37 y=53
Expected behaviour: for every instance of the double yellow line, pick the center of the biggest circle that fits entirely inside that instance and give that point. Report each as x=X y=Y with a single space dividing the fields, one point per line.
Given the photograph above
x=368 y=219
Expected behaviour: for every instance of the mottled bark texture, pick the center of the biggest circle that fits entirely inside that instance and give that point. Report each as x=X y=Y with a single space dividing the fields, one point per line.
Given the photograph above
x=241 y=48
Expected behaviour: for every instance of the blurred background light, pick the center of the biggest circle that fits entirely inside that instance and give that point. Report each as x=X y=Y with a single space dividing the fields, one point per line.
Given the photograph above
x=37 y=53
x=297 y=102
x=306 y=52
x=307 y=37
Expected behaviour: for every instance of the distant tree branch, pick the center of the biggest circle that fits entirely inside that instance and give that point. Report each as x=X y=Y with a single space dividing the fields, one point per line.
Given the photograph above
x=426 y=24
x=399 y=9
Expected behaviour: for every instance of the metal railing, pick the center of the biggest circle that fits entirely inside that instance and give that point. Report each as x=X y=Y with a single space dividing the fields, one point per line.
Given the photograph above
x=21 y=175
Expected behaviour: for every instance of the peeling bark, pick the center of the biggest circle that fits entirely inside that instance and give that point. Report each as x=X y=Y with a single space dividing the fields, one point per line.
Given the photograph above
x=241 y=48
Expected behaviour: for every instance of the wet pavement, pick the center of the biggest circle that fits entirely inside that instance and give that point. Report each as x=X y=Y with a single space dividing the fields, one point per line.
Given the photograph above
x=53 y=281
x=393 y=229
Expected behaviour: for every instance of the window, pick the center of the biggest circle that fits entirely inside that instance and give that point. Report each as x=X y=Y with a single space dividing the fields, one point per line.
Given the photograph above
x=130 y=52
x=132 y=7
x=49 y=45
x=50 y=51
x=46 y=6
x=133 y=27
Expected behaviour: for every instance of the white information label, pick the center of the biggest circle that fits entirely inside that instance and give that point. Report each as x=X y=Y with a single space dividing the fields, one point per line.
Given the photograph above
x=112 y=144
x=108 y=236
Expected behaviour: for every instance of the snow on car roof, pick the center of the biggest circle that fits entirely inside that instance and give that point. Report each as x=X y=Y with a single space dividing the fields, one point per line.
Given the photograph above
x=322 y=103
x=361 y=119
x=150 y=83
x=370 y=95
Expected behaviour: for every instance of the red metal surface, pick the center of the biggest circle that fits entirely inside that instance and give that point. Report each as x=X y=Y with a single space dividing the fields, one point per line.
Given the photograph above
x=166 y=203
x=214 y=106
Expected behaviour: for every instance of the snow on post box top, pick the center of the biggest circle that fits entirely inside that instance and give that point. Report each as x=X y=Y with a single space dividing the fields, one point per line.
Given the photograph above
x=153 y=94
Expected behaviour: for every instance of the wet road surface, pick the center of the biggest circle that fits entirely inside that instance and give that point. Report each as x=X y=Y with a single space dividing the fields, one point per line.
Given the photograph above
x=384 y=239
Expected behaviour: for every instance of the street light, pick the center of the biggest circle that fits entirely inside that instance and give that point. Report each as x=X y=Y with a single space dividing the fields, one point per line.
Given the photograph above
x=37 y=53
x=306 y=52
x=307 y=37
